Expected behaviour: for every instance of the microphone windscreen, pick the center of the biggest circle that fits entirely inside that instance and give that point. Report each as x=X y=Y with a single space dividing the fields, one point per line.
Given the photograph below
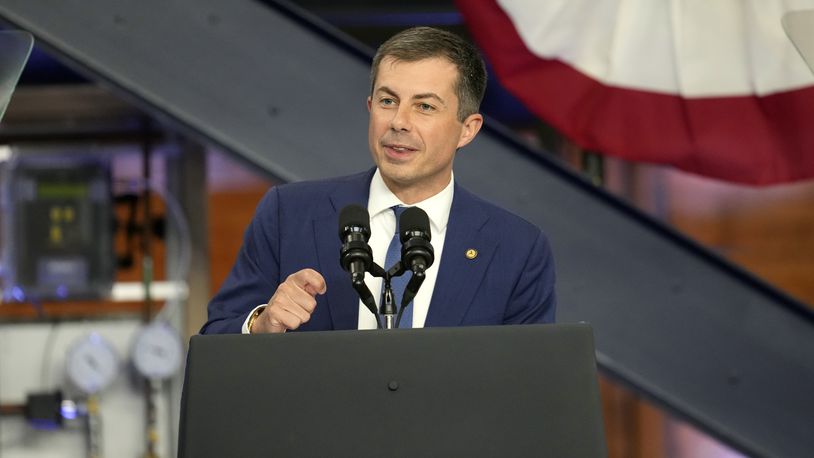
x=414 y=219
x=353 y=215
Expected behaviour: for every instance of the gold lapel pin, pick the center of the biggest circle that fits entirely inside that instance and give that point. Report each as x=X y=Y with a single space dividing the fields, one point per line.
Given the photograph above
x=471 y=253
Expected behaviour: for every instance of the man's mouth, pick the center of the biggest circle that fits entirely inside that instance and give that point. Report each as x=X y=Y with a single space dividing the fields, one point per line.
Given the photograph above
x=398 y=151
x=400 y=148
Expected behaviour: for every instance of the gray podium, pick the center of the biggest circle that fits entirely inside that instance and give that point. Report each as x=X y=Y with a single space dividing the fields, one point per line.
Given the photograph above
x=476 y=392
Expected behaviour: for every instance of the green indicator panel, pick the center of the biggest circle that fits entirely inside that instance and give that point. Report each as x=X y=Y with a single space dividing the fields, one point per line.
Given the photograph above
x=61 y=190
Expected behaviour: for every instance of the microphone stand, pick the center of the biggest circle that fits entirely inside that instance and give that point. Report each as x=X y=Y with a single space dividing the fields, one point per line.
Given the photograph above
x=388 y=304
x=388 y=308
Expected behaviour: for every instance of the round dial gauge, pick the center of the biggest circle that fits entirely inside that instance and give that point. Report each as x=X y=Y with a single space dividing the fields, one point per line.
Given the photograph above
x=92 y=363
x=157 y=351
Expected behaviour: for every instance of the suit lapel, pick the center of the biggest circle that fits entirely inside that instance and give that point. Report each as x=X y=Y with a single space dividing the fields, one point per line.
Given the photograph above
x=340 y=297
x=458 y=276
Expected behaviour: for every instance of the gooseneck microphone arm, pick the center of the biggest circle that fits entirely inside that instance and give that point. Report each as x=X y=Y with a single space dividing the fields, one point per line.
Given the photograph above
x=358 y=282
x=410 y=291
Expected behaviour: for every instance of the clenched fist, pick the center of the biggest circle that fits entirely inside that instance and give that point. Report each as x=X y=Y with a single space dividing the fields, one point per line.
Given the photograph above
x=292 y=304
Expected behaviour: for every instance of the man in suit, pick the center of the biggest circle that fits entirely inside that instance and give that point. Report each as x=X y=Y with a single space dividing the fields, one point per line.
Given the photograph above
x=491 y=267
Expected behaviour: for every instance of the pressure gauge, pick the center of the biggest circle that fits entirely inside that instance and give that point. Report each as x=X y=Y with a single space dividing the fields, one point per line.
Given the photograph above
x=157 y=351
x=92 y=363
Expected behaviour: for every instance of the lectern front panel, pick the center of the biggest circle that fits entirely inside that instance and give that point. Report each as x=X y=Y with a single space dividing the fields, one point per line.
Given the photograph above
x=479 y=391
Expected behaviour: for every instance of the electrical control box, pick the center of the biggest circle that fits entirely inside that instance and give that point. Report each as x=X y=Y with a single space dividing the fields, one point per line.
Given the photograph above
x=57 y=227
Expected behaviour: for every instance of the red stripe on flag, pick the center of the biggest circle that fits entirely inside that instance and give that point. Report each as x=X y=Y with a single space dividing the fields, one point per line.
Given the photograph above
x=750 y=139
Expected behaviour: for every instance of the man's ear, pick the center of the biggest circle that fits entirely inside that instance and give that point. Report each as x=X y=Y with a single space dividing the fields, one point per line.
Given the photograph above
x=471 y=127
x=369 y=102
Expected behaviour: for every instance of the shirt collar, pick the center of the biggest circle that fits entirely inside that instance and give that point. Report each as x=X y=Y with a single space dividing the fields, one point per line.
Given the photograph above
x=437 y=206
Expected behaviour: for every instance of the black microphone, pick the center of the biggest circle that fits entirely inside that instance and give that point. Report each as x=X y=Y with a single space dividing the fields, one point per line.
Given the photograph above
x=354 y=231
x=414 y=232
x=356 y=256
x=417 y=254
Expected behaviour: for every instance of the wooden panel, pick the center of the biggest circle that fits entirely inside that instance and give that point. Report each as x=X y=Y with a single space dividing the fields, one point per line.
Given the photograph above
x=230 y=213
x=68 y=310
x=768 y=231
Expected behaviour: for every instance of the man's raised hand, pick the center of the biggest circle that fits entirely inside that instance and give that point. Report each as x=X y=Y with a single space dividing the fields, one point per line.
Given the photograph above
x=292 y=304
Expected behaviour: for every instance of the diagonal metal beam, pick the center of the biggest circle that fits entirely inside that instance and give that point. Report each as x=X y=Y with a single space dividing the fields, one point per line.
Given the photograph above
x=15 y=46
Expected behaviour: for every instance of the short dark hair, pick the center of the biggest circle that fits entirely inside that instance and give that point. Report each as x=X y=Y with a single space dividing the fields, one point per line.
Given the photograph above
x=420 y=43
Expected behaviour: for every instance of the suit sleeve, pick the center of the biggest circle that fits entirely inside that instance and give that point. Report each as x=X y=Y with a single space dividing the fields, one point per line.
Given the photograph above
x=255 y=275
x=533 y=299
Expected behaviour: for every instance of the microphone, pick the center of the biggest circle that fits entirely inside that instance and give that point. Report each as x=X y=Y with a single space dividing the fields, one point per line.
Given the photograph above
x=414 y=232
x=356 y=256
x=417 y=254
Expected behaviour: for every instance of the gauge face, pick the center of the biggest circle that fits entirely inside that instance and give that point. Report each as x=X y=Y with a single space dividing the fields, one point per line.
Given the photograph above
x=92 y=363
x=157 y=351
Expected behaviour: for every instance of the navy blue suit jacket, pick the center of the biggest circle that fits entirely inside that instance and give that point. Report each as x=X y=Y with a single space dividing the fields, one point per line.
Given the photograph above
x=510 y=281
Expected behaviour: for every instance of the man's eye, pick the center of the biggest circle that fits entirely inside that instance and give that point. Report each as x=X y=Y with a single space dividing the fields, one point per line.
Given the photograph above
x=387 y=102
x=425 y=107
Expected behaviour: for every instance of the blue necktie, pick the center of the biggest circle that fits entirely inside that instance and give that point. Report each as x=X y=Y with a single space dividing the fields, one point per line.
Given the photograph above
x=398 y=283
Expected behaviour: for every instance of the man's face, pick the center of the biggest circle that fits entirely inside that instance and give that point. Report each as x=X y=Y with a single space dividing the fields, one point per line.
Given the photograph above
x=414 y=129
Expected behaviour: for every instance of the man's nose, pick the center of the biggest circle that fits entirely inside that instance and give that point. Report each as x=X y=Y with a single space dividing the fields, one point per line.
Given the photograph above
x=401 y=119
